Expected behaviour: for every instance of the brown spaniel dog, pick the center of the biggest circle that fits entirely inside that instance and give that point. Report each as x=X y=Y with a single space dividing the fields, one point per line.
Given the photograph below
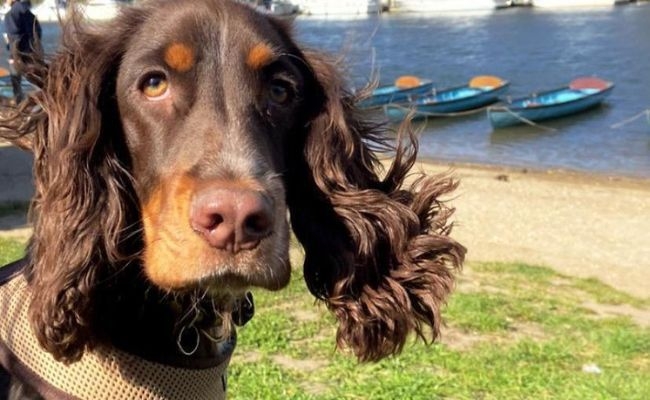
x=171 y=145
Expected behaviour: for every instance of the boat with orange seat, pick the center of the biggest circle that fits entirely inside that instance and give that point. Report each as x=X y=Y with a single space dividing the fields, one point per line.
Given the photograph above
x=479 y=91
x=405 y=88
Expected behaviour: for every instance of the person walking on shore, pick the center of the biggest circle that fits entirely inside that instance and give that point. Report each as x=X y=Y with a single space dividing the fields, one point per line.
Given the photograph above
x=23 y=36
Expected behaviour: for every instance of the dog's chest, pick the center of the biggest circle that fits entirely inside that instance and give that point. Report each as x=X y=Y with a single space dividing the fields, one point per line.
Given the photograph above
x=104 y=373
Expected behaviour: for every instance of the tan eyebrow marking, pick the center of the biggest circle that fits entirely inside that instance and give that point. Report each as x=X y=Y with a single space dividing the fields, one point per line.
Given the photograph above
x=260 y=55
x=180 y=57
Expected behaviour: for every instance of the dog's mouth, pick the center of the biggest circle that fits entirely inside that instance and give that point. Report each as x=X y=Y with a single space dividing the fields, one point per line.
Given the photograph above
x=214 y=245
x=213 y=271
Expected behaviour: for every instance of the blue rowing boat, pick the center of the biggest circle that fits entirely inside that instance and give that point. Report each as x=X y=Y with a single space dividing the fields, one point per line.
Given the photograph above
x=404 y=89
x=479 y=91
x=581 y=94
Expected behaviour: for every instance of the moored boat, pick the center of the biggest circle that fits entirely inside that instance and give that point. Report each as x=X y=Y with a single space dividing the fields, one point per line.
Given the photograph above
x=100 y=10
x=419 y=6
x=573 y=3
x=338 y=7
x=50 y=11
x=479 y=91
x=581 y=94
x=277 y=8
x=405 y=88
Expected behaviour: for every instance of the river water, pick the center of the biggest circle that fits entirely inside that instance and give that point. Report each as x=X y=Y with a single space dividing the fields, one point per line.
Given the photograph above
x=535 y=50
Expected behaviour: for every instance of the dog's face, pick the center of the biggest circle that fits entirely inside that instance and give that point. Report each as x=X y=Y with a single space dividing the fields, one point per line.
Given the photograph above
x=206 y=107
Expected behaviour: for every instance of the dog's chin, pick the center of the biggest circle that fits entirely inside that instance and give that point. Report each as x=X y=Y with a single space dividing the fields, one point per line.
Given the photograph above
x=237 y=284
x=223 y=274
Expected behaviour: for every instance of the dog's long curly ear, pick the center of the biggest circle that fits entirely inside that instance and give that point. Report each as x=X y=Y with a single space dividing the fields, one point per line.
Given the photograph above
x=377 y=249
x=78 y=210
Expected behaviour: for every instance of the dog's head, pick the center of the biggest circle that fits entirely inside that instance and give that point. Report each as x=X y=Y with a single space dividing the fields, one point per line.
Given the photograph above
x=209 y=95
x=174 y=140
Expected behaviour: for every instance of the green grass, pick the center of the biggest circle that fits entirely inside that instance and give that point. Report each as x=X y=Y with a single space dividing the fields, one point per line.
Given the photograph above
x=10 y=250
x=513 y=331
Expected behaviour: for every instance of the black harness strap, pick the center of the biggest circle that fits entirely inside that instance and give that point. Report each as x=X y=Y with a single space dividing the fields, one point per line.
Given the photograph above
x=9 y=271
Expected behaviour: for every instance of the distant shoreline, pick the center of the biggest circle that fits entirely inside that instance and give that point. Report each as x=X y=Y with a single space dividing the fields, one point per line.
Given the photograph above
x=551 y=173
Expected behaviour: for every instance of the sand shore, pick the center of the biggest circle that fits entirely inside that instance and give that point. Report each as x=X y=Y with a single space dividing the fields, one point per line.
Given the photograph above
x=578 y=224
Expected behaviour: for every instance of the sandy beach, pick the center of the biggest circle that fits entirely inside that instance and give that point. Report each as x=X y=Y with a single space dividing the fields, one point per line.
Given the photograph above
x=578 y=224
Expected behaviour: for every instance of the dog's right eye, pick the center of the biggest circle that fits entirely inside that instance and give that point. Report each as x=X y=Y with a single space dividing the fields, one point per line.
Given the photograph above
x=155 y=86
x=281 y=91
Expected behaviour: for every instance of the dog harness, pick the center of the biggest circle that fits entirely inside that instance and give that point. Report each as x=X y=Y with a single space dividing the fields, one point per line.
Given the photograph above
x=103 y=372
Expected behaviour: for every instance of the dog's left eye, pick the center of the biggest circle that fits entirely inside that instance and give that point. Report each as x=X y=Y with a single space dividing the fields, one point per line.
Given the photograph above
x=280 y=91
x=155 y=86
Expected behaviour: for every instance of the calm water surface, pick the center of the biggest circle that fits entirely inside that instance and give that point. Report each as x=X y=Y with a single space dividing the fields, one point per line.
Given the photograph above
x=536 y=51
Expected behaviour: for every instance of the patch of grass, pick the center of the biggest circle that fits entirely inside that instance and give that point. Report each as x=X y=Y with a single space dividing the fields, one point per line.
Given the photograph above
x=268 y=381
x=530 y=338
x=10 y=250
x=531 y=272
x=14 y=207
x=481 y=312
x=605 y=294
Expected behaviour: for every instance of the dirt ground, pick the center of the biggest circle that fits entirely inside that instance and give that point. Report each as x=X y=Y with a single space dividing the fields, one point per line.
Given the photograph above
x=578 y=224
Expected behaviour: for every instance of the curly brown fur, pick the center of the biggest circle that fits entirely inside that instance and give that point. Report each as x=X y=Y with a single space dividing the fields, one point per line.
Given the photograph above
x=81 y=202
x=378 y=250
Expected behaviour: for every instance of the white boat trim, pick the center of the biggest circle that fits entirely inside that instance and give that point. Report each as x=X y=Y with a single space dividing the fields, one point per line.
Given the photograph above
x=573 y=3
x=430 y=6
x=338 y=7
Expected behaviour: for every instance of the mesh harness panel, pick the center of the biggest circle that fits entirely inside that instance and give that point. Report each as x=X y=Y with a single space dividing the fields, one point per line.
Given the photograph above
x=103 y=373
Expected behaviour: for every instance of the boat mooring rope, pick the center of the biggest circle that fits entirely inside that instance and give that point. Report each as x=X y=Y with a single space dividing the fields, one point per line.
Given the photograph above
x=432 y=114
x=529 y=122
x=632 y=119
x=471 y=112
